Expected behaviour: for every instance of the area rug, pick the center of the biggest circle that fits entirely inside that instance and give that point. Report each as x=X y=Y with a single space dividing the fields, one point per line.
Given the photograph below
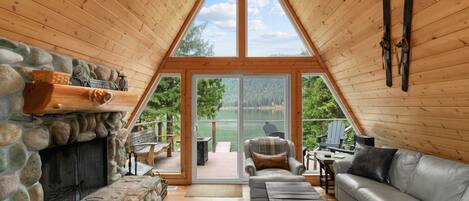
x=207 y=190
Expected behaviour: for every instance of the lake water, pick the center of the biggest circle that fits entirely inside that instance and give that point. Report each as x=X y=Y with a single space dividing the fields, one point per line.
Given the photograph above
x=254 y=120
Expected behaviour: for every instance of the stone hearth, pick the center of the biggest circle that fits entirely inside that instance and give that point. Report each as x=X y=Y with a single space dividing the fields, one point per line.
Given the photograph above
x=22 y=136
x=130 y=188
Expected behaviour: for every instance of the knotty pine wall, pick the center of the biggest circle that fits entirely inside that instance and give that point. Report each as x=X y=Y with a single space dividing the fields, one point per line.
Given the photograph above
x=433 y=116
x=132 y=35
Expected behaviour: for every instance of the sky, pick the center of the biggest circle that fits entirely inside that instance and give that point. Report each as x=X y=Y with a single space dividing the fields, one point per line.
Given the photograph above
x=270 y=32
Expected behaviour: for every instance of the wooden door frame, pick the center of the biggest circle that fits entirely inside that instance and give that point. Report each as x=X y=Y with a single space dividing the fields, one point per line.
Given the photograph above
x=187 y=66
x=186 y=113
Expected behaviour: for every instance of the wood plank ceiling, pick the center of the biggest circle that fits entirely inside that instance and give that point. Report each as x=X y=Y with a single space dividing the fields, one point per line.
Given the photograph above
x=433 y=116
x=130 y=35
x=135 y=35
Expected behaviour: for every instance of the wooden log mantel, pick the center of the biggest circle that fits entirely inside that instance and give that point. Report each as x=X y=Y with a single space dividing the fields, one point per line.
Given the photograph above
x=43 y=98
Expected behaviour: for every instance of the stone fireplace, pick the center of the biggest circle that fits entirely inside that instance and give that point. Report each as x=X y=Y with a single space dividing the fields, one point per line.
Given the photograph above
x=58 y=156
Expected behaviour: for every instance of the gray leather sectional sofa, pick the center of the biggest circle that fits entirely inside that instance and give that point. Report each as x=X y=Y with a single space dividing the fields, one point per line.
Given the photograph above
x=413 y=176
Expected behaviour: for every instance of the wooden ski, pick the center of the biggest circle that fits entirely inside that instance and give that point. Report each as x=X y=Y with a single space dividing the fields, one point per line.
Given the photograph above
x=386 y=41
x=404 y=44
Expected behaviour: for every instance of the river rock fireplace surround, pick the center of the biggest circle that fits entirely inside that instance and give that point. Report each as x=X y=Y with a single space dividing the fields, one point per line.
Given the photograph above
x=63 y=156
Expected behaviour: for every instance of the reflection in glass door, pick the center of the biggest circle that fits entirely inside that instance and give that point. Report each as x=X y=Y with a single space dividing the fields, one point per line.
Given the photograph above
x=265 y=107
x=225 y=116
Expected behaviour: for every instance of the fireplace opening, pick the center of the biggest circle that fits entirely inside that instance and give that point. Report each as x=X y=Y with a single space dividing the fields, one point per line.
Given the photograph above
x=71 y=172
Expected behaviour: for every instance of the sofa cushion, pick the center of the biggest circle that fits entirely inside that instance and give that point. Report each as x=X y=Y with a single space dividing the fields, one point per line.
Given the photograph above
x=402 y=167
x=352 y=183
x=263 y=161
x=465 y=197
x=383 y=193
x=372 y=162
x=273 y=171
x=341 y=195
x=437 y=179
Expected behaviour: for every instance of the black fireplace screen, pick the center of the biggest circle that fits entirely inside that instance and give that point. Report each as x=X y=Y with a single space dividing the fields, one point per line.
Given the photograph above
x=71 y=172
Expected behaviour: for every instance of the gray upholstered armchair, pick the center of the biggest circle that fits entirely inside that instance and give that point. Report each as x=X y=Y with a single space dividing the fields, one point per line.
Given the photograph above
x=270 y=146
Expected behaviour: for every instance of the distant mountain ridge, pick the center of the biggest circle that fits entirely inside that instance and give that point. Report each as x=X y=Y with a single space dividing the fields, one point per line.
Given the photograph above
x=258 y=92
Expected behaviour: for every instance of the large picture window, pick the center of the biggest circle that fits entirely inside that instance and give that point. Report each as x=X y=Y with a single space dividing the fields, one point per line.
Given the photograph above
x=160 y=123
x=212 y=32
x=270 y=31
x=322 y=118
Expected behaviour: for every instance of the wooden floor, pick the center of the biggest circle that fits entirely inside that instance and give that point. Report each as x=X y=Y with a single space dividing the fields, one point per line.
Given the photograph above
x=180 y=192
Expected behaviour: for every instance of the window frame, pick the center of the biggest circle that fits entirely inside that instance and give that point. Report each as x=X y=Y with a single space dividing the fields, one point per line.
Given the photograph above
x=242 y=33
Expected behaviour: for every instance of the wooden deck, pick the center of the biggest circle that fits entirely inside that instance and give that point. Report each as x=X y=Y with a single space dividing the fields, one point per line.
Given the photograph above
x=219 y=165
x=166 y=164
x=223 y=147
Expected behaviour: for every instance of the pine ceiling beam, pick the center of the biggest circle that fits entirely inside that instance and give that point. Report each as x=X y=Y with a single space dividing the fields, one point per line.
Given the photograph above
x=153 y=81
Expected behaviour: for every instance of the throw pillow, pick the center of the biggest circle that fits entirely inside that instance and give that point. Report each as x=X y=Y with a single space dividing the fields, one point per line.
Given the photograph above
x=262 y=161
x=372 y=162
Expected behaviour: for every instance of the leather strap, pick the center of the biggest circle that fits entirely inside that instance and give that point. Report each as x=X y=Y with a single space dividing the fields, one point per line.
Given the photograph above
x=386 y=41
x=404 y=44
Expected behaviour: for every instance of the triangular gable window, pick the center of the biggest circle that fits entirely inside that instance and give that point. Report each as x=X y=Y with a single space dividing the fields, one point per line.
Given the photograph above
x=212 y=32
x=270 y=31
x=320 y=111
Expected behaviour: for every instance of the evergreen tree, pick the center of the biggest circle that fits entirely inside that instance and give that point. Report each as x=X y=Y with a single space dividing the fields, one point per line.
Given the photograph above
x=209 y=97
x=165 y=102
x=193 y=43
x=318 y=103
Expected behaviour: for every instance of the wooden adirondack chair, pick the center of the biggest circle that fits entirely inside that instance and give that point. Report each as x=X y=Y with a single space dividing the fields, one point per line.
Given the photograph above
x=269 y=128
x=334 y=137
x=277 y=134
x=272 y=131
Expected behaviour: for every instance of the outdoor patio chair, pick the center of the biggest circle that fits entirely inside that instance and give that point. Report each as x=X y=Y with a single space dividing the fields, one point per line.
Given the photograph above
x=277 y=134
x=269 y=128
x=334 y=137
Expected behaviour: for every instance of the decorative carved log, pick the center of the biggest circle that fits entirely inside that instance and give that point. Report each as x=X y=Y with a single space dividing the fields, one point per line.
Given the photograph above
x=100 y=96
x=44 y=98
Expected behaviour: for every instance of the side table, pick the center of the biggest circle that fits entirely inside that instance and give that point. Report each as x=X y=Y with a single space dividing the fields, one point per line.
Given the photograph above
x=325 y=165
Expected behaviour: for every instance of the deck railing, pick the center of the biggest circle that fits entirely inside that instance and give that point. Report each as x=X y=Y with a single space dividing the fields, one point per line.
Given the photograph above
x=158 y=125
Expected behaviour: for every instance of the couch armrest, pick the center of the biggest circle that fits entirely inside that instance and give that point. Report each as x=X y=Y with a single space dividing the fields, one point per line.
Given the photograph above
x=342 y=166
x=296 y=167
x=249 y=167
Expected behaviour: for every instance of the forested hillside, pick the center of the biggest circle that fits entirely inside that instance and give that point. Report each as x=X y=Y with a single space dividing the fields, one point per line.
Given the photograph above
x=257 y=92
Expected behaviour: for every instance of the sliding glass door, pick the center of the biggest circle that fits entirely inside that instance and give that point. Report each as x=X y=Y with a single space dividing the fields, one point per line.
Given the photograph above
x=216 y=126
x=229 y=109
x=265 y=109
